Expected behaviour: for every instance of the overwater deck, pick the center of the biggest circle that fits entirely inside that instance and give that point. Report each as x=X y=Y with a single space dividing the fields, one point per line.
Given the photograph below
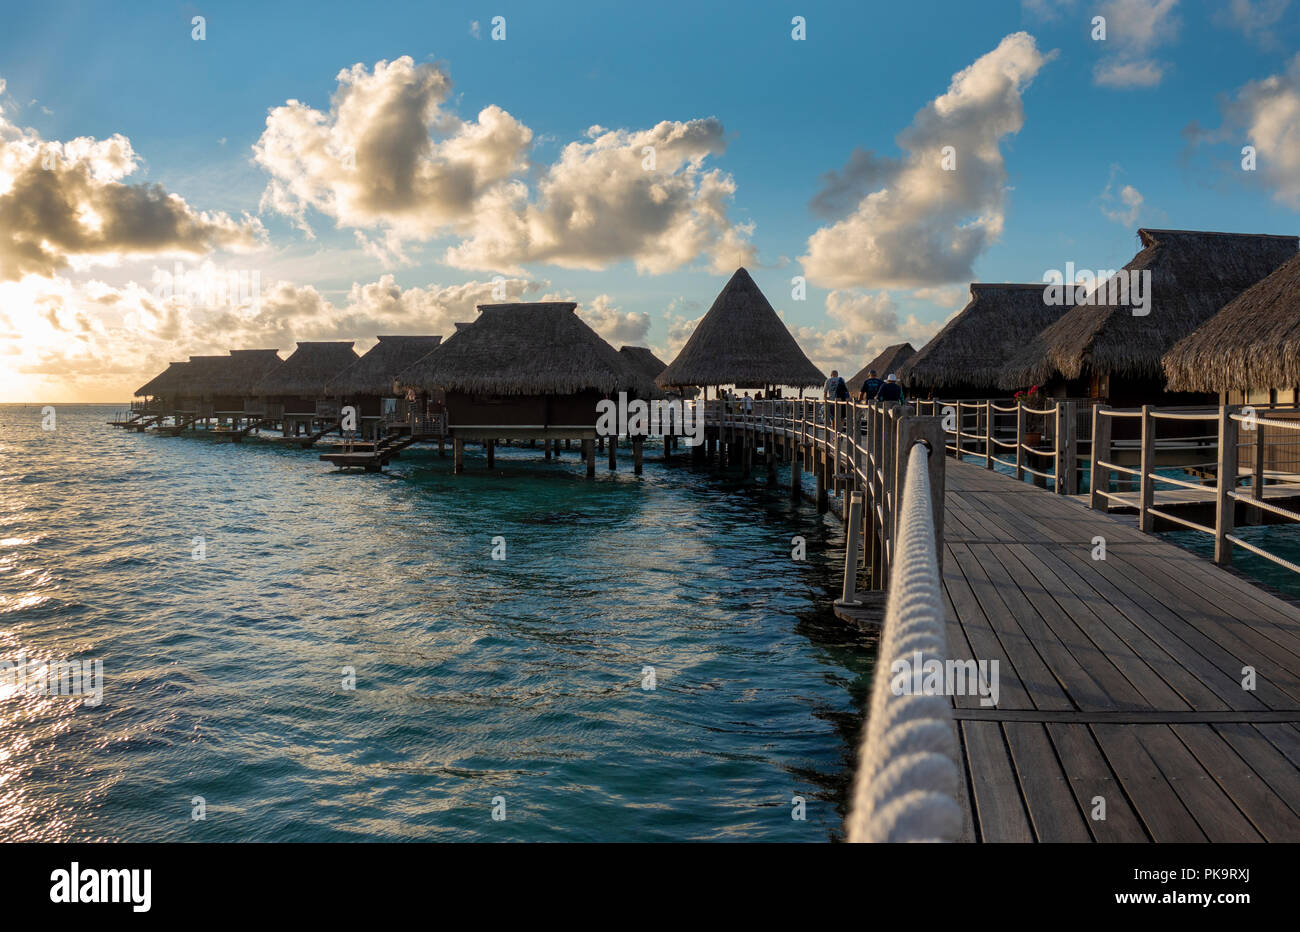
x=1121 y=679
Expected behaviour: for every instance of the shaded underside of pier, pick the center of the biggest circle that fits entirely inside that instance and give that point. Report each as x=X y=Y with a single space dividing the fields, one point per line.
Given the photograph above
x=1121 y=679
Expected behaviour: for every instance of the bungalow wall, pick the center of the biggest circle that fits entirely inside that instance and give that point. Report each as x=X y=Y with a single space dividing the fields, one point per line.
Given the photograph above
x=466 y=410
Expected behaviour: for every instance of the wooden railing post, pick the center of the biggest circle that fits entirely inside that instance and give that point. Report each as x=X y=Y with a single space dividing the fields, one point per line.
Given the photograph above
x=1098 y=475
x=1020 y=440
x=853 y=525
x=1065 y=448
x=988 y=433
x=1071 y=448
x=1146 y=485
x=1226 y=482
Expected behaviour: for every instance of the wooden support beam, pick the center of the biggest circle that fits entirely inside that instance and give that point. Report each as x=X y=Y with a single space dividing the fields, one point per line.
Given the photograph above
x=589 y=454
x=458 y=456
x=636 y=455
x=796 y=477
x=819 y=467
x=490 y=447
x=613 y=452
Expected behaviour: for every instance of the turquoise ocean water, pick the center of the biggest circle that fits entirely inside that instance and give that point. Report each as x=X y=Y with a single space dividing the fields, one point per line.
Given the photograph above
x=480 y=684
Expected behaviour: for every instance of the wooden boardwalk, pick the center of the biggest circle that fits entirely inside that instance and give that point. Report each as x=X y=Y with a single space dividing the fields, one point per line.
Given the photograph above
x=1121 y=680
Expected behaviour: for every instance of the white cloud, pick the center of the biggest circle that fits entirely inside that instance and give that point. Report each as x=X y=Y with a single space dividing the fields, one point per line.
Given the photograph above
x=1255 y=19
x=390 y=158
x=1267 y=114
x=65 y=203
x=618 y=327
x=373 y=162
x=922 y=225
x=1129 y=197
x=1133 y=29
x=65 y=340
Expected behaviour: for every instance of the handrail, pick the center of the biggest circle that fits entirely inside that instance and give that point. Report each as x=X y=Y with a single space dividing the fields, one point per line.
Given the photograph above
x=908 y=785
x=1232 y=448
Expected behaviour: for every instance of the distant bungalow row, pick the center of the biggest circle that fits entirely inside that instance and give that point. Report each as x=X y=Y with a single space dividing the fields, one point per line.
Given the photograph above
x=1223 y=327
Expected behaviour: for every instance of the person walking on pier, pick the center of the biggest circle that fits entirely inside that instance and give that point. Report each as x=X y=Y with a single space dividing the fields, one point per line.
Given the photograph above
x=870 y=388
x=892 y=390
x=835 y=390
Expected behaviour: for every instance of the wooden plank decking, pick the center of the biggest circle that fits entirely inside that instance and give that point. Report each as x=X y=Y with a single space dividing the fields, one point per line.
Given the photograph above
x=1119 y=678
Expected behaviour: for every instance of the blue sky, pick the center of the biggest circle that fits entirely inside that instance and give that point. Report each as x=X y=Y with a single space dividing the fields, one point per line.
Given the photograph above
x=789 y=112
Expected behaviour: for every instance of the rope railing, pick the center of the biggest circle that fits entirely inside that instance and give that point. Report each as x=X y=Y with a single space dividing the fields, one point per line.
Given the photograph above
x=908 y=784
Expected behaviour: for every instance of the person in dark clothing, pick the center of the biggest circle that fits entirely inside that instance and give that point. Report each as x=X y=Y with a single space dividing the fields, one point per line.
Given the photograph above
x=892 y=390
x=870 y=388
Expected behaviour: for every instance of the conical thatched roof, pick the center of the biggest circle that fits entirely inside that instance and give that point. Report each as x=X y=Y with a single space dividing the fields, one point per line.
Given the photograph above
x=374 y=372
x=539 y=348
x=741 y=342
x=891 y=359
x=972 y=348
x=1193 y=275
x=166 y=382
x=308 y=372
x=1253 y=343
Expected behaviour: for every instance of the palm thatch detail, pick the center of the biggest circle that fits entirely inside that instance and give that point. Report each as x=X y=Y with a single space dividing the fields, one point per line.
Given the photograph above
x=1193 y=275
x=374 y=372
x=1252 y=344
x=742 y=342
x=973 y=348
x=533 y=348
x=890 y=359
x=308 y=372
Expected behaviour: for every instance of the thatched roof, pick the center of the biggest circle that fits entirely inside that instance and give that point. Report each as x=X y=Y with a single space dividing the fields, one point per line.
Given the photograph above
x=245 y=369
x=1193 y=275
x=890 y=359
x=650 y=365
x=972 y=348
x=374 y=372
x=1253 y=343
x=741 y=342
x=643 y=359
x=204 y=373
x=538 y=348
x=308 y=372
x=166 y=382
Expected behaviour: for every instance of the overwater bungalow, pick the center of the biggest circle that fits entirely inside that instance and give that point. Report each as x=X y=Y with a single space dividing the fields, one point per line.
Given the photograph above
x=525 y=371
x=230 y=389
x=1249 y=352
x=215 y=386
x=1102 y=349
x=967 y=357
x=890 y=359
x=370 y=383
x=296 y=391
x=741 y=342
x=160 y=394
